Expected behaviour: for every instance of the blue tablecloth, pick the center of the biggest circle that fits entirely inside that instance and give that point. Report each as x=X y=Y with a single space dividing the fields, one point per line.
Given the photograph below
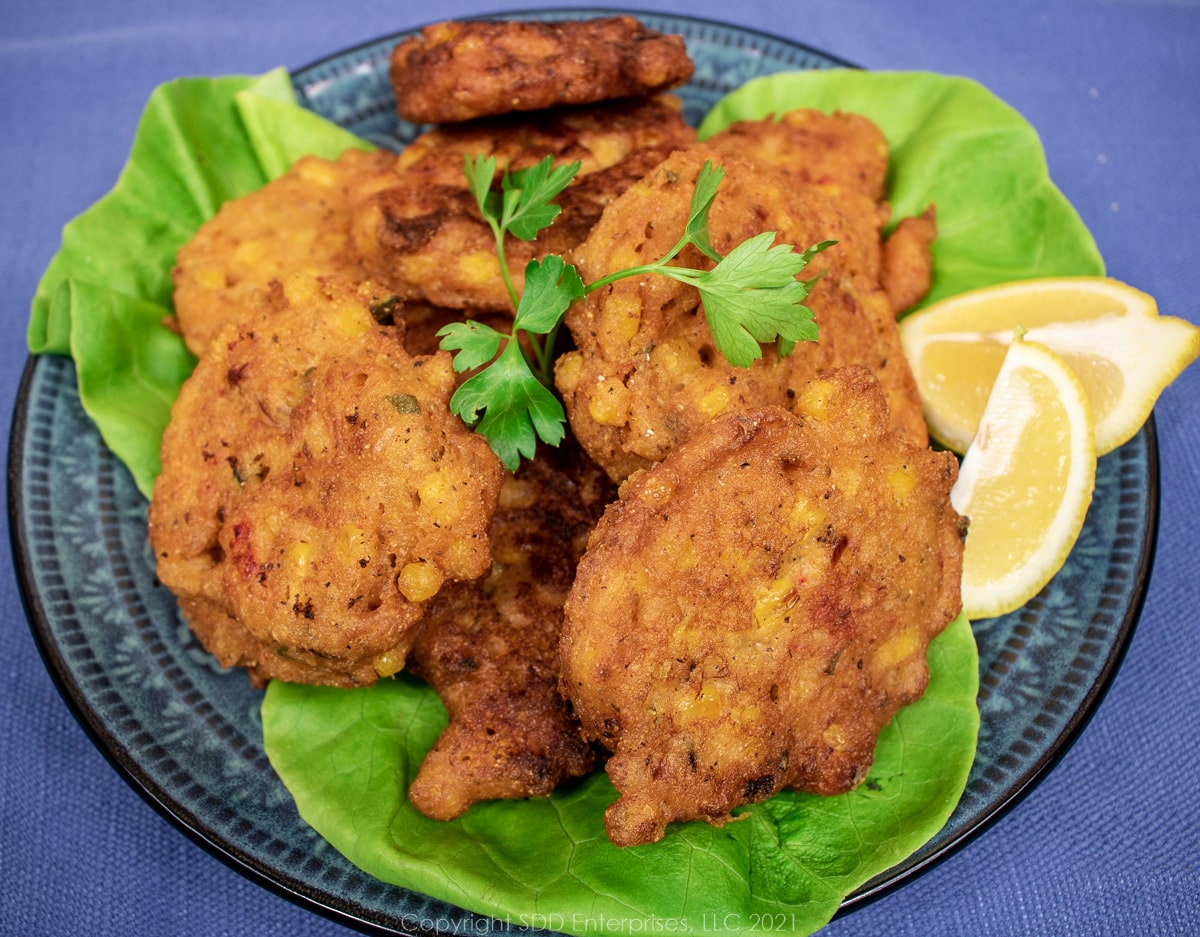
x=1107 y=843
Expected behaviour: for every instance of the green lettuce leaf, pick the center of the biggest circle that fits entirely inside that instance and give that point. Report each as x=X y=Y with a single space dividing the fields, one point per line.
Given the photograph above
x=347 y=757
x=105 y=297
x=955 y=145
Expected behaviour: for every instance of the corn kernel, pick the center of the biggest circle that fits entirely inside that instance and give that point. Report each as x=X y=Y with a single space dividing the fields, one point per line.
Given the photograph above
x=297 y=557
x=466 y=558
x=302 y=289
x=609 y=403
x=517 y=493
x=902 y=482
x=899 y=647
x=389 y=663
x=750 y=715
x=352 y=320
x=815 y=401
x=479 y=267
x=656 y=491
x=774 y=605
x=350 y=546
x=677 y=358
x=567 y=371
x=211 y=278
x=419 y=581
x=296 y=561
x=607 y=151
x=315 y=170
x=444 y=506
x=706 y=705
x=806 y=516
x=713 y=402
x=250 y=252
x=835 y=737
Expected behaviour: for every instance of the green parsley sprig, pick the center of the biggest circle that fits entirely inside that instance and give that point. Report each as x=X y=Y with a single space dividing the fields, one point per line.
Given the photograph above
x=750 y=296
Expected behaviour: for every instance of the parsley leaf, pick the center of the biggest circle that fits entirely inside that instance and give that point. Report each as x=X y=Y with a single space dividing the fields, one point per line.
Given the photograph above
x=475 y=343
x=527 y=208
x=750 y=296
x=703 y=195
x=480 y=171
x=509 y=405
x=551 y=286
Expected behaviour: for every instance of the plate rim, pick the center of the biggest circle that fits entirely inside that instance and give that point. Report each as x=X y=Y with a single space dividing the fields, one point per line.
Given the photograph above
x=915 y=864
x=362 y=919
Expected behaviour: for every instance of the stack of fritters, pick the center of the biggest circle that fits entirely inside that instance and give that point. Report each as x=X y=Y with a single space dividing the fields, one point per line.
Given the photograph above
x=754 y=606
x=417 y=227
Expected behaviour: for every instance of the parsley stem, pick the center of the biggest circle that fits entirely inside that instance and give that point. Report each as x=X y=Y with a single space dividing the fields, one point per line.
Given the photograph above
x=498 y=231
x=661 y=268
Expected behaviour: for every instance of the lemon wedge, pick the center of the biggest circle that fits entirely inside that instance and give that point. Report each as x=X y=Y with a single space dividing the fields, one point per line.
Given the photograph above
x=1111 y=334
x=1026 y=480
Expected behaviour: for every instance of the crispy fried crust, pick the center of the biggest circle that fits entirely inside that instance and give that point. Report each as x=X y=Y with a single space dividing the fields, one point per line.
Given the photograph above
x=490 y=647
x=417 y=227
x=297 y=222
x=908 y=260
x=316 y=491
x=646 y=374
x=758 y=605
x=846 y=157
x=455 y=71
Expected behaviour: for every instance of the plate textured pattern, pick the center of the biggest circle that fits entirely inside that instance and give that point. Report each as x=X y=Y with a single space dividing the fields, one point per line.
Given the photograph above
x=188 y=736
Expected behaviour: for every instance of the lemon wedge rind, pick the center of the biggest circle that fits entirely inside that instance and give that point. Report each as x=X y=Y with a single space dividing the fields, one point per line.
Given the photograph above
x=1110 y=333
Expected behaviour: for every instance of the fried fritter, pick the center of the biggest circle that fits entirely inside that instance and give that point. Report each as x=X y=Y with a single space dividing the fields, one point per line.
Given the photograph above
x=455 y=71
x=418 y=229
x=758 y=605
x=490 y=647
x=316 y=491
x=297 y=222
x=845 y=156
x=646 y=374
x=908 y=260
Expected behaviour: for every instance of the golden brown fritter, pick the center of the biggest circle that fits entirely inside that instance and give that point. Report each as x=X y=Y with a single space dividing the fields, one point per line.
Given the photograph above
x=646 y=375
x=418 y=229
x=455 y=71
x=908 y=260
x=297 y=222
x=490 y=647
x=758 y=605
x=838 y=152
x=316 y=491
x=845 y=156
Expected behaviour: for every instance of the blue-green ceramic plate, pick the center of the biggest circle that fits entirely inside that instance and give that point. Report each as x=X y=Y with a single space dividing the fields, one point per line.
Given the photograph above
x=188 y=735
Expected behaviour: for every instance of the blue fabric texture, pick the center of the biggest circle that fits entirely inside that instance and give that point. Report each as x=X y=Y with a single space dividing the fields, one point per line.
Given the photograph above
x=1107 y=843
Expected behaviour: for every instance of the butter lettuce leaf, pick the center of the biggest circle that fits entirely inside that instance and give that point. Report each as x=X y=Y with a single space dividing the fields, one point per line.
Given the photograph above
x=348 y=756
x=957 y=146
x=105 y=297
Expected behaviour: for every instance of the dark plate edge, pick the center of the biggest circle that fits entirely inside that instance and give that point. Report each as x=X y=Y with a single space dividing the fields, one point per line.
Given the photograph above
x=114 y=752
x=1079 y=720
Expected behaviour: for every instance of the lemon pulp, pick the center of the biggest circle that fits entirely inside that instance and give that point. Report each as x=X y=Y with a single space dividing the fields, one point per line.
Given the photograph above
x=1110 y=334
x=1026 y=481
